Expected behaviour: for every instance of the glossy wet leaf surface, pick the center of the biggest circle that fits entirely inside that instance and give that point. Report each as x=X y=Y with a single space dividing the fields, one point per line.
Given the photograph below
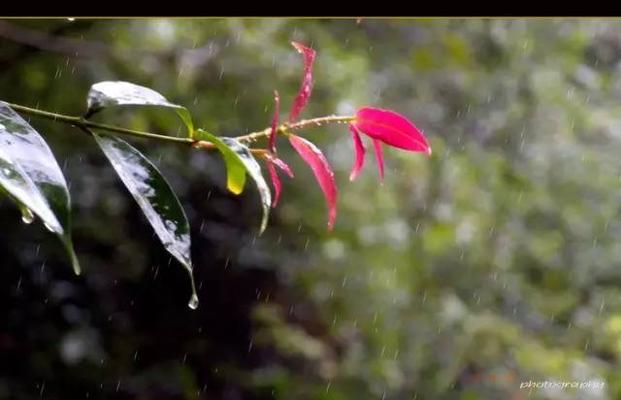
x=254 y=170
x=31 y=176
x=306 y=87
x=391 y=128
x=235 y=169
x=239 y=160
x=118 y=93
x=324 y=174
x=155 y=197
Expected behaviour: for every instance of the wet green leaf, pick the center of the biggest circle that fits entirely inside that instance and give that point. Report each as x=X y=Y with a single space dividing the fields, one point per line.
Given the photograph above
x=239 y=160
x=155 y=197
x=235 y=169
x=118 y=93
x=31 y=176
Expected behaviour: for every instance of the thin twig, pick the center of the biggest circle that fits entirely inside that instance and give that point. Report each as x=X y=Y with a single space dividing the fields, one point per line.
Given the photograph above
x=84 y=124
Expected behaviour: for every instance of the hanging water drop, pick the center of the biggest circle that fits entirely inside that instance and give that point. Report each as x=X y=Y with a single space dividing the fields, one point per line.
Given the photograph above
x=27 y=215
x=27 y=218
x=193 y=303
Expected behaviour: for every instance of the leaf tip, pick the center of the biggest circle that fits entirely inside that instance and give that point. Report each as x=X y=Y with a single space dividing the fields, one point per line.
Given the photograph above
x=234 y=188
x=332 y=219
x=359 y=153
x=263 y=224
x=74 y=262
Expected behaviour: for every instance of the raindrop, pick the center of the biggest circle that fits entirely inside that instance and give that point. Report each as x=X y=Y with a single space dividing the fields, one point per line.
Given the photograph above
x=27 y=215
x=601 y=307
x=193 y=303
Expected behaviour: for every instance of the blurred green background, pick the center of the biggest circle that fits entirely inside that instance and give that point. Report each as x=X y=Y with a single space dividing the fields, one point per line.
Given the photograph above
x=493 y=262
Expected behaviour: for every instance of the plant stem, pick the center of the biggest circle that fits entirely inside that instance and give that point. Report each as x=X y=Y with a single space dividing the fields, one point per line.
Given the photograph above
x=82 y=123
x=251 y=137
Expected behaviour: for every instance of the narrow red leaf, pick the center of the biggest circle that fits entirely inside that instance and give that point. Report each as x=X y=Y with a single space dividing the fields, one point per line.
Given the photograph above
x=272 y=161
x=307 y=80
x=322 y=170
x=391 y=128
x=272 y=138
x=359 y=152
x=379 y=156
x=283 y=166
x=275 y=182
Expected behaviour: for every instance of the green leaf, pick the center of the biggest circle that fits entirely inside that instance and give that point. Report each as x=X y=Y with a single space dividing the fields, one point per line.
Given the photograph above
x=239 y=160
x=155 y=197
x=31 y=176
x=235 y=168
x=118 y=93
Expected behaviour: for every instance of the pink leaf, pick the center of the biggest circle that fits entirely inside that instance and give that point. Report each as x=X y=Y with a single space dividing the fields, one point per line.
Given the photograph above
x=322 y=170
x=379 y=155
x=283 y=166
x=272 y=138
x=359 y=152
x=307 y=80
x=275 y=182
x=272 y=161
x=391 y=128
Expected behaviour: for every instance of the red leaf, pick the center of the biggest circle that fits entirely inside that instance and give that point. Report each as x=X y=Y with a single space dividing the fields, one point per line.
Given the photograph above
x=272 y=162
x=359 y=152
x=307 y=80
x=272 y=138
x=322 y=170
x=391 y=128
x=283 y=166
x=379 y=155
x=275 y=182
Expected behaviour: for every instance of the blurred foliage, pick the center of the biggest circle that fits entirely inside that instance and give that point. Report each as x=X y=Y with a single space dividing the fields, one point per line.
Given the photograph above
x=497 y=255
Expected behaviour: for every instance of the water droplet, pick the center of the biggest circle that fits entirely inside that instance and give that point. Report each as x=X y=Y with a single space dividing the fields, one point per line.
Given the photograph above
x=193 y=303
x=27 y=216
